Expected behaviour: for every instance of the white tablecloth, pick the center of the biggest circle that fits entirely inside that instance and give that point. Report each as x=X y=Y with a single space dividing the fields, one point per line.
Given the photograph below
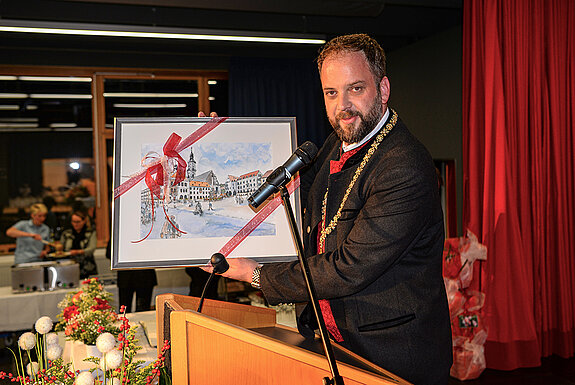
x=20 y=311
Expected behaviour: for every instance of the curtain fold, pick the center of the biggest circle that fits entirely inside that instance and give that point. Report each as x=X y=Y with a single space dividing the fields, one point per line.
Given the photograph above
x=519 y=171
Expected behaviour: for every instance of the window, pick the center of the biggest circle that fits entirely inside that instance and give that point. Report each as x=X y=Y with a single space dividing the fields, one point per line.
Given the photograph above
x=56 y=132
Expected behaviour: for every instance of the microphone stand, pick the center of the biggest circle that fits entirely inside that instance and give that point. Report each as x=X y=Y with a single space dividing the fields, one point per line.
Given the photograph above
x=220 y=266
x=336 y=379
x=203 y=296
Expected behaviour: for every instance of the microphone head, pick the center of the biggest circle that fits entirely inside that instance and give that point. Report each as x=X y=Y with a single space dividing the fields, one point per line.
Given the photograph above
x=307 y=152
x=302 y=157
x=219 y=263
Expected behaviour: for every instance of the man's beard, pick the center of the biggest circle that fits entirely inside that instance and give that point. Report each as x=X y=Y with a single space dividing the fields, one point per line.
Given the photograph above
x=366 y=125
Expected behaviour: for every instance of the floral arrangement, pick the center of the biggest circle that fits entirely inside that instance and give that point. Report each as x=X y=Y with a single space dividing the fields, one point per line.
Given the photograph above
x=43 y=346
x=86 y=313
x=117 y=366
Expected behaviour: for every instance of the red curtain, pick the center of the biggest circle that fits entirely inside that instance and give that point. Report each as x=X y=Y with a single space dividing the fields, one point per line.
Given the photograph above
x=519 y=172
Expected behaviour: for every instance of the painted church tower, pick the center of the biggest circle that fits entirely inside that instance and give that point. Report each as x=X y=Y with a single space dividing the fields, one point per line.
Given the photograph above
x=191 y=171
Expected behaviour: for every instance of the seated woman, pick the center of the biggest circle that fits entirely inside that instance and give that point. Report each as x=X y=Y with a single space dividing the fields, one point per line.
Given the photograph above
x=81 y=241
x=30 y=234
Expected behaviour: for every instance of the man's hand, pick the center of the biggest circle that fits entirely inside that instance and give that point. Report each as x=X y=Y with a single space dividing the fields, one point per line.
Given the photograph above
x=240 y=269
x=37 y=237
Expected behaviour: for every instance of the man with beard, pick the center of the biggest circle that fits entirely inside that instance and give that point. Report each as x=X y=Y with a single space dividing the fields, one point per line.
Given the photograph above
x=373 y=227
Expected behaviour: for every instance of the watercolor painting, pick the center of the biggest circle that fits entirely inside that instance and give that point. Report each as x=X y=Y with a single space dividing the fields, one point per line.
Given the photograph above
x=211 y=201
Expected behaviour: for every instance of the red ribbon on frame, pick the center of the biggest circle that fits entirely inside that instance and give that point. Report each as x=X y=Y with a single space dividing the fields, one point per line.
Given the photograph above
x=265 y=212
x=178 y=147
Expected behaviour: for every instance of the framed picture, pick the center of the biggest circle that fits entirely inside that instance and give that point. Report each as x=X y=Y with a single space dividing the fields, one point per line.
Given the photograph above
x=207 y=177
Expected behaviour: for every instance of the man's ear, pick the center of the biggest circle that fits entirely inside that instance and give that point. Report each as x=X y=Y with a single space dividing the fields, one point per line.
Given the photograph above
x=384 y=89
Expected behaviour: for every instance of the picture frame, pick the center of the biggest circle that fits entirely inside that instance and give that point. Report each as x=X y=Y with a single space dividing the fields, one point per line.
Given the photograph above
x=227 y=160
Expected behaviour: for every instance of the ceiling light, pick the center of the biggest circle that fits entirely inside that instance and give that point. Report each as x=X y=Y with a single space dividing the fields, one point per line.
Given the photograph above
x=212 y=82
x=147 y=95
x=63 y=125
x=9 y=107
x=19 y=120
x=55 y=78
x=135 y=105
x=60 y=96
x=8 y=77
x=74 y=165
x=18 y=125
x=27 y=26
x=13 y=96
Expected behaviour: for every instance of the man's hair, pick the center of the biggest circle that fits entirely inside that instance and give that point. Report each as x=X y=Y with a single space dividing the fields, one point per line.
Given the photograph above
x=356 y=43
x=38 y=208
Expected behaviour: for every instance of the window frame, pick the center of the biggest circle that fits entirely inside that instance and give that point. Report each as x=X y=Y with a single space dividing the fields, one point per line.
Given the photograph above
x=100 y=134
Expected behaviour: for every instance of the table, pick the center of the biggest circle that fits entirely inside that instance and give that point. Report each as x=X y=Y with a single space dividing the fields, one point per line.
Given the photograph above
x=21 y=311
x=146 y=333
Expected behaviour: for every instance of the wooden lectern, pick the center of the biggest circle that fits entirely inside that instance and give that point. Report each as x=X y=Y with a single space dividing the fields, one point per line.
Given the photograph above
x=230 y=343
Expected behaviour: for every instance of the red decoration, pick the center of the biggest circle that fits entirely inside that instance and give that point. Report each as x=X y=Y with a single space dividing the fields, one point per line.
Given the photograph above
x=468 y=331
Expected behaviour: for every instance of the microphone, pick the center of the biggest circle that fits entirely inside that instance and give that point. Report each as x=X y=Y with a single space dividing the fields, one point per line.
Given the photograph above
x=302 y=156
x=220 y=265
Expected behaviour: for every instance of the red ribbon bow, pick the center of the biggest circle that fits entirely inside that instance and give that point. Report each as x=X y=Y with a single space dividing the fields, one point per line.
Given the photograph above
x=162 y=169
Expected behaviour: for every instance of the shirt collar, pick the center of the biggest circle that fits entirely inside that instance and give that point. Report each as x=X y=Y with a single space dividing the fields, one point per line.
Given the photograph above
x=347 y=147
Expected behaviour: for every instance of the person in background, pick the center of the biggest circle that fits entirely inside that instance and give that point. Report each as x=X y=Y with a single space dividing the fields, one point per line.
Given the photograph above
x=80 y=241
x=30 y=236
x=135 y=281
x=76 y=206
x=139 y=282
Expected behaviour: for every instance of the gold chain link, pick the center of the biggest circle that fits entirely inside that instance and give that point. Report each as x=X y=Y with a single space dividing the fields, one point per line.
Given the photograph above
x=333 y=223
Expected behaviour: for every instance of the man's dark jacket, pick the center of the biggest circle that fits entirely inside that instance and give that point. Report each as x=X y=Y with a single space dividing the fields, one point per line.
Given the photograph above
x=382 y=271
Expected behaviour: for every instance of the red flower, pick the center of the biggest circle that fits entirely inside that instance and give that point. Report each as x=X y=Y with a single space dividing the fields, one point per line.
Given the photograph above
x=101 y=304
x=70 y=312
